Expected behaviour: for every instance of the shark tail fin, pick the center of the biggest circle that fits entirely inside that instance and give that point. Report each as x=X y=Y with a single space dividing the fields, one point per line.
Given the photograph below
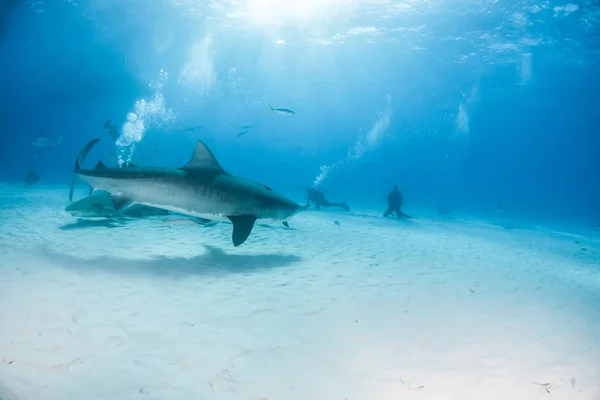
x=80 y=159
x=271 y=107
x=83 y=154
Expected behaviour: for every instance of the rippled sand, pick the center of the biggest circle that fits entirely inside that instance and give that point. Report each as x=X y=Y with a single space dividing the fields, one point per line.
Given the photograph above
x=340 y=306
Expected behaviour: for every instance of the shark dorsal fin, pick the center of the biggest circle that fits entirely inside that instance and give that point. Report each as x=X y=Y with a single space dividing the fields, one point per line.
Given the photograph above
x=203 y=158
x=100 y=165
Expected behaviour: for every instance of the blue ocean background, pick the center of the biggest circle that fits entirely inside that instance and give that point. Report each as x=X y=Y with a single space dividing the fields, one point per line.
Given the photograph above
x=470 y=105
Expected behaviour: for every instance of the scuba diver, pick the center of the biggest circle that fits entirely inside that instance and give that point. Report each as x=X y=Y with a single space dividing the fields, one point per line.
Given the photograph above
x=317 y=197
x=31 y=178
x=395 y=202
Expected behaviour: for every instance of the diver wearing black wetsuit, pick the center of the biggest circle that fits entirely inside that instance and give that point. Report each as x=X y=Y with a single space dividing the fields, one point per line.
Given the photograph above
x=317 y=197
x=31 y=178
x=395 y=202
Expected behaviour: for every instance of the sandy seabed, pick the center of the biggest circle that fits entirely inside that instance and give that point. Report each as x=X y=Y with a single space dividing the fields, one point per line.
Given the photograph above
x=340 y=306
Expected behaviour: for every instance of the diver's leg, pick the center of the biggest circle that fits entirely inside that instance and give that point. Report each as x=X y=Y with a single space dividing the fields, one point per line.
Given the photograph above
x=398 y=212
x=339 y=205
x=325 y=203
x=388 y=212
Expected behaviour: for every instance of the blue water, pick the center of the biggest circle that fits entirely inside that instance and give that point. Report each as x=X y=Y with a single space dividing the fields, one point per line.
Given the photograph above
x=479 y=103
x=484 y=113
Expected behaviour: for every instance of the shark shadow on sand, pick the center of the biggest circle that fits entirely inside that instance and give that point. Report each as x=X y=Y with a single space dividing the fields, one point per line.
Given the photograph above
x=214 y=262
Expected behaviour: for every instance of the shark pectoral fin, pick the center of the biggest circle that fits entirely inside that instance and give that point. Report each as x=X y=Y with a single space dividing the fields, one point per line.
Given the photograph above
x=242 y=226
x=285 y=223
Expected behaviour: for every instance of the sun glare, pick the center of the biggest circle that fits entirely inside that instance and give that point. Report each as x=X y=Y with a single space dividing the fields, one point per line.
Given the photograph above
x=292 y=12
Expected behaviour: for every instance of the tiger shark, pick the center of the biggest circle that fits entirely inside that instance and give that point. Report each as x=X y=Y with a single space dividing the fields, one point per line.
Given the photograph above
x=201 y=188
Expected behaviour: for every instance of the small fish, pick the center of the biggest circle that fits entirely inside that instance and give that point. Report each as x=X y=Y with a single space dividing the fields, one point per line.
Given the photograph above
x=194 y=128
x=282 y=111
x=546 y=386
x=245 y=129
x=44 y=142
x=112 y=130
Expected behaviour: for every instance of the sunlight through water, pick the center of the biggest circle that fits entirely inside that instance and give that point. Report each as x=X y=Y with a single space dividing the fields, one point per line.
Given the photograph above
x=198 y=72
x=304 y=12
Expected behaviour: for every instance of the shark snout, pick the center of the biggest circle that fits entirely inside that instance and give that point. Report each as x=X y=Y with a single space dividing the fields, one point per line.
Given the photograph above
x=293 y=209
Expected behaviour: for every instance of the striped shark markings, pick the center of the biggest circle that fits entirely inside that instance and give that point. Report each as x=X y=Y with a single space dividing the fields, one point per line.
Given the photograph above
x=201 y=188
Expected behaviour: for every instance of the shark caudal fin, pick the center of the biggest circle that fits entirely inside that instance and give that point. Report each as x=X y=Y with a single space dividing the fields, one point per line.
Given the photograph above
x=80 y=159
